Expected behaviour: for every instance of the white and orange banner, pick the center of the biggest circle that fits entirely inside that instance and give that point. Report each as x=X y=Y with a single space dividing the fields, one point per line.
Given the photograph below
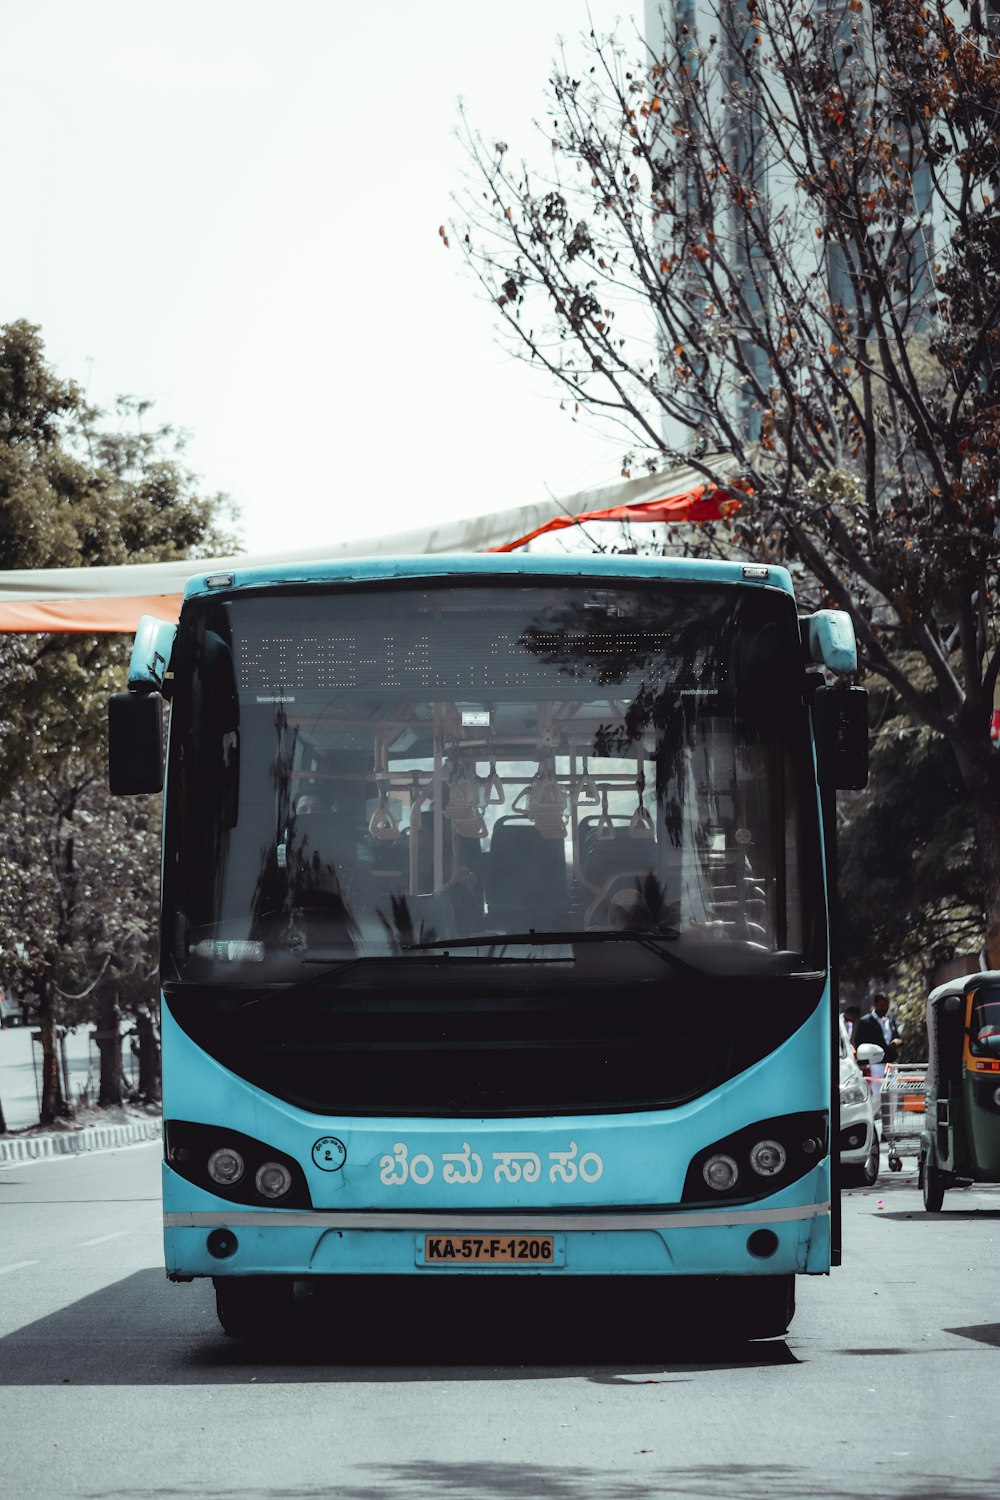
x=86 y=601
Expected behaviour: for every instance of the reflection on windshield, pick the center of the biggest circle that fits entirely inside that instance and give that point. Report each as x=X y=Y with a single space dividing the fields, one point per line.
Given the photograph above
x=374 y=773
x=984 y=1030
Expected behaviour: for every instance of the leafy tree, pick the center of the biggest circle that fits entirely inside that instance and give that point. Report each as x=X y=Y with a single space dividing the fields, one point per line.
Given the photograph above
x=74 y=493
x=78 y=894
x=776 y=238
x=909 y=897
x=79 y=875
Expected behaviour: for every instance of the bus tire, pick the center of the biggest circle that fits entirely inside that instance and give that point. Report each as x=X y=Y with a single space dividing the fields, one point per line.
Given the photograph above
x=767 y=1306
x=254 y=1307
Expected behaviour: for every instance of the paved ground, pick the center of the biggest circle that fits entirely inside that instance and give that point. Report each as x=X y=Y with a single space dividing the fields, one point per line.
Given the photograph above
x=114 y=1383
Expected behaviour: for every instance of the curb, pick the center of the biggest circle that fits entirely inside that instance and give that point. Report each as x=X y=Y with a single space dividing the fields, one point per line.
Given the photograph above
x=91 y=1138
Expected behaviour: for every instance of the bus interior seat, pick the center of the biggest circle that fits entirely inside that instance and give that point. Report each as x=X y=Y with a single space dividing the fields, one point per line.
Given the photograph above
x=623 y=887
x=600 y=859
x=526 y=878
x=613 y=867
x=465 y=885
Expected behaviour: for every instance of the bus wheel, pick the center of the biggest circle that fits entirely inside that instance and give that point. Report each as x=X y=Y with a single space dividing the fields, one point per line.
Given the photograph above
x=254 y=1307
x=767 y=1306
x=933 y=1183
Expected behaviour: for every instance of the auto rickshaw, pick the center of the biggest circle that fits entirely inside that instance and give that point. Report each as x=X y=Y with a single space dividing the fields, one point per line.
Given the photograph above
x=960 y=1143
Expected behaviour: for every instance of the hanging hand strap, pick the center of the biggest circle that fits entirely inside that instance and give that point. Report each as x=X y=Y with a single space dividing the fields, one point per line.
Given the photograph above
x=641 y=825
x=383 y=825
x=605 y=827
x=587 y=791
x=493 y=792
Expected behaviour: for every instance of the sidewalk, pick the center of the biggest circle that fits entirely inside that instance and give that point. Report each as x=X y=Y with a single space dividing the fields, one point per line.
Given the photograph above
x=19 y=1059
x=71 y=1142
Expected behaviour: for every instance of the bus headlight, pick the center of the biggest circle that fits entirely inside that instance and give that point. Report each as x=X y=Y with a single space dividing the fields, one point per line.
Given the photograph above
x=273 y=1180
x=758 y=1160
x=226 y=1166
x=767 y=1158
x=232 y=1165
x=721 y=1173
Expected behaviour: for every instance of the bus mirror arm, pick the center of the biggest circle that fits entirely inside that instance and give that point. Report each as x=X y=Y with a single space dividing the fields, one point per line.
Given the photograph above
x=830 y=640
x=150 y=659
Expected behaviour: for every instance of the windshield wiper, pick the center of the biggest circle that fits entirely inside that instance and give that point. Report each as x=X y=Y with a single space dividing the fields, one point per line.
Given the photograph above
x=281 y=988
x=651 y=941
x=333 y=973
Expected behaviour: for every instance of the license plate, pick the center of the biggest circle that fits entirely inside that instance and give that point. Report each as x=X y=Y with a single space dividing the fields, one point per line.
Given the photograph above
x=466 y=1250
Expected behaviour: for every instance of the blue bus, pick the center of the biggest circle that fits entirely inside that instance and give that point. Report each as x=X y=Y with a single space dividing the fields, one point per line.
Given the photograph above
x=495 y=933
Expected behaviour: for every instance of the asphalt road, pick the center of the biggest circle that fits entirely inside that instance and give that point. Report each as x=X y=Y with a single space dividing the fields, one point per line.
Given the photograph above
x=115 y=1383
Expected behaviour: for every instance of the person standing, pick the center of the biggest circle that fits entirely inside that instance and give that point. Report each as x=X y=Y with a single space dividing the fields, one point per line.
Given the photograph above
x=878 y=1027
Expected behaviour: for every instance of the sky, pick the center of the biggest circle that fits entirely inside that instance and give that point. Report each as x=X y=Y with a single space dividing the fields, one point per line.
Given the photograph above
x=231 y=208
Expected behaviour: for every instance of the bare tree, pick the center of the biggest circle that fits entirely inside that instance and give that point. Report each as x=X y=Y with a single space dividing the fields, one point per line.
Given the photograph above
x=776 y=237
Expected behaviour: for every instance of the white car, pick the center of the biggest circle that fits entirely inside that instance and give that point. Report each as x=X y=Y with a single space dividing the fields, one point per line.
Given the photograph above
x=859 y=1145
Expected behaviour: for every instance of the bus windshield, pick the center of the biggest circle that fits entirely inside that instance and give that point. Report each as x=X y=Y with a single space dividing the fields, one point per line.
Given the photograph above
x=545 y=773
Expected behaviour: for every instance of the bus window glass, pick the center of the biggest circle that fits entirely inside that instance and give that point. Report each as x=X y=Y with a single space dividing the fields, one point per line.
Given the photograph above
x=376 y=772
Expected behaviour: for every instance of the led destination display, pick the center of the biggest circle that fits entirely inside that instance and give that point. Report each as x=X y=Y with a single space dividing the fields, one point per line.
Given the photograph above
x=442 y=659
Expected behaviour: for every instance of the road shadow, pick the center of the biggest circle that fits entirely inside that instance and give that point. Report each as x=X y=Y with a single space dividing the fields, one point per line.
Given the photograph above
x=902 y=1191
x=946 y=1215
x=144 y=1331
x=981 y=1333
x=433 y=1479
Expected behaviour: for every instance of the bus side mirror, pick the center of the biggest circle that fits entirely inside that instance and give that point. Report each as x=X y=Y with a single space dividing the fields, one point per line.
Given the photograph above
x=150 y=659
x=840 y=723
x=830 y=640
x=135 y=743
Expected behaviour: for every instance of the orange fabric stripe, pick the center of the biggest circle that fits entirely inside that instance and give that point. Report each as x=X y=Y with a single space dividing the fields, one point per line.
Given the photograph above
x=702 y=503
x=85 y=616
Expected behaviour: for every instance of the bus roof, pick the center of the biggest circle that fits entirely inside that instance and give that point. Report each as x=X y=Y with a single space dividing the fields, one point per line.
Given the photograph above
x=490 y=565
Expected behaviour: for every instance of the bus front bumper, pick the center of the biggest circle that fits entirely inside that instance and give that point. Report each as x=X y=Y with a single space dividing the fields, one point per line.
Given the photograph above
x=762 y=1240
